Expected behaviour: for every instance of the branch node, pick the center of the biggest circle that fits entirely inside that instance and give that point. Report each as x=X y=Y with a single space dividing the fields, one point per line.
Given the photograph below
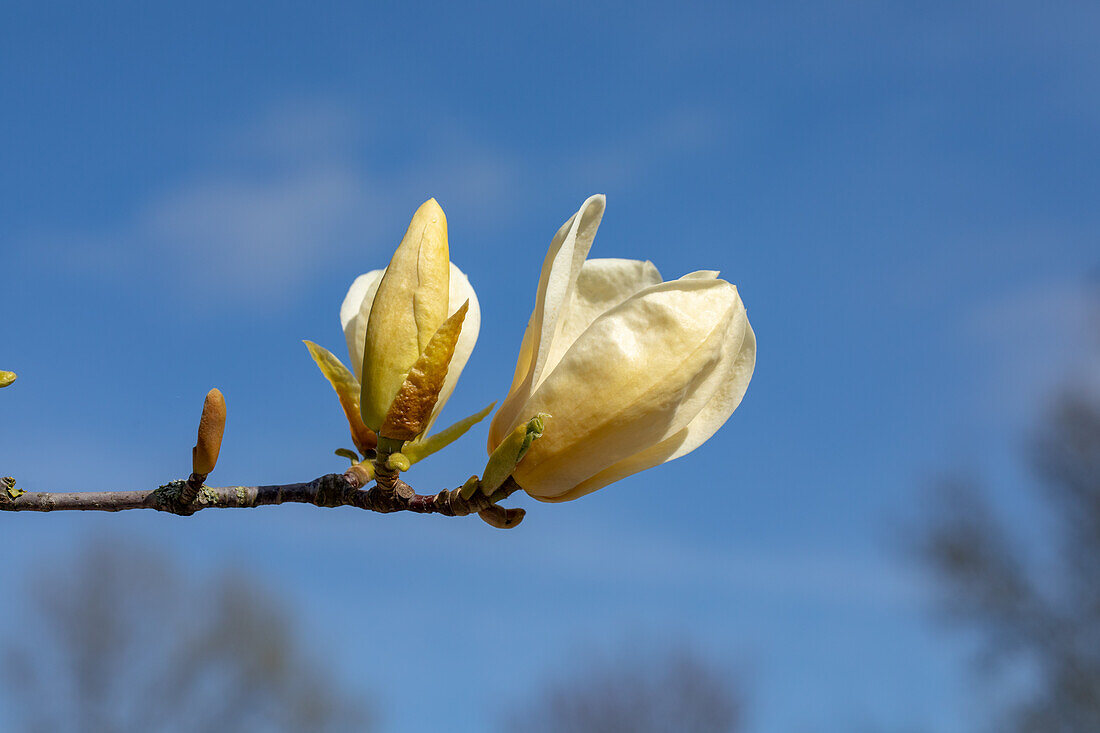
x=403 y=491
x=169 y=498
x=191 y=488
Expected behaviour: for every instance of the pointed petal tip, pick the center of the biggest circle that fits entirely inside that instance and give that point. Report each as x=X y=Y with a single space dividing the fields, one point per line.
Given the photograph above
x=596 y=200
x=432 y=207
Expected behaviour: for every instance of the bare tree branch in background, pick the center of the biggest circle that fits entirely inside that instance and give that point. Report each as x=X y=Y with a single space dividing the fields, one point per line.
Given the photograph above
x=1039 y=610
x=120 y=641
x=675 y=693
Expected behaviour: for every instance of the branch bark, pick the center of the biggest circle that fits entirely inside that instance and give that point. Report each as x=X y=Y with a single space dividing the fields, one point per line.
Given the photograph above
x=330 y=490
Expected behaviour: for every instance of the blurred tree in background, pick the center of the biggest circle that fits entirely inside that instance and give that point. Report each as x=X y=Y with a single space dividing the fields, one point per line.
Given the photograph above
x=1035 y=604
x=674 y=693
x=122 y=642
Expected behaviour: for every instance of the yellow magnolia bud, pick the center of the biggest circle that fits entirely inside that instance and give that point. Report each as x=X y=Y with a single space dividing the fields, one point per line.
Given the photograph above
x=204 y=456
x=356 y=310
x=635 y=371
x=6 y=378
x=408 y=308
x=400 y=341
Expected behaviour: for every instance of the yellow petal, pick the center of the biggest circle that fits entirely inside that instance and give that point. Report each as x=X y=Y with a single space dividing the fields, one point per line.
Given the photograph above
x=637 y=376
x=347 y=390
x=461 y=291
x=6 y=378
x=408 y=415
x=408 y=309
x=728 y=389
x=560 y=269
x=354 y=314
x=601 y=285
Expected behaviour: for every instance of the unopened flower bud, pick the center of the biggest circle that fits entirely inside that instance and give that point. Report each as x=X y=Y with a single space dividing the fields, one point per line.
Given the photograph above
x=410 y=305
x=204 y=456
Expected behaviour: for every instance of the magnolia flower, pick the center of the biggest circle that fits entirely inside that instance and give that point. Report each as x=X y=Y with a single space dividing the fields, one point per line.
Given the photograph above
x=410 y=323
x=631 y=371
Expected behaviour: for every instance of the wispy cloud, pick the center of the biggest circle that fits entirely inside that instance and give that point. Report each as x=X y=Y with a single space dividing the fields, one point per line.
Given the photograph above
x=229 y=231
x=277 y=198
x=271 y=201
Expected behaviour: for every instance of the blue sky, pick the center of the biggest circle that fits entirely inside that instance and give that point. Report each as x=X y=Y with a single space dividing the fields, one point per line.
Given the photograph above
x=905 y=196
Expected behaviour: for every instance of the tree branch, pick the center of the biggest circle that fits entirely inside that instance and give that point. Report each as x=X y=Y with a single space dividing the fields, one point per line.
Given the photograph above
x=330 y=490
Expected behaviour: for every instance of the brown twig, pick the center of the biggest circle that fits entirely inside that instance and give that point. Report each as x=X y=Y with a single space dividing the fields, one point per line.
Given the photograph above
x=331 y=490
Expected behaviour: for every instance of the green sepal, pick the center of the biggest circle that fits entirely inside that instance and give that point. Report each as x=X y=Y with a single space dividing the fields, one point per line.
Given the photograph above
x=510 y=452
x=347 y=391
x=468 y=489
x=421 y=449
x=398 y=462
x=349 y=454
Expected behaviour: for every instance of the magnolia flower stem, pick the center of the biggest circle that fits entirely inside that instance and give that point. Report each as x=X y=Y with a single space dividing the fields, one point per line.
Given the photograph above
x=331 y=490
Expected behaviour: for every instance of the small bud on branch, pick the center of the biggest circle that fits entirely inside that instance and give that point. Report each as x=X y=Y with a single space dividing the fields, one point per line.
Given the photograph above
x=204 y=456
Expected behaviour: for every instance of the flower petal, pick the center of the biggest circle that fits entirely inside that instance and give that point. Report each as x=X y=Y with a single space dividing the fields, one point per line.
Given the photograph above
x=601 y=285
x=354 y=314
x=461 y=291
x=730 y=387
x=560 y=270
x=639 y=374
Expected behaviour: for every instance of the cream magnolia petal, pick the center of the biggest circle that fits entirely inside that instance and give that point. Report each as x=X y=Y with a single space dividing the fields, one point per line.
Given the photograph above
x=636 y=376
x=354 y=314
x=739 y=360
x=601 y=285
x=498 y=428
x=460 y=292
x=655 y=455
x=560 y=272
x=701 y=275
x=560 y=269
